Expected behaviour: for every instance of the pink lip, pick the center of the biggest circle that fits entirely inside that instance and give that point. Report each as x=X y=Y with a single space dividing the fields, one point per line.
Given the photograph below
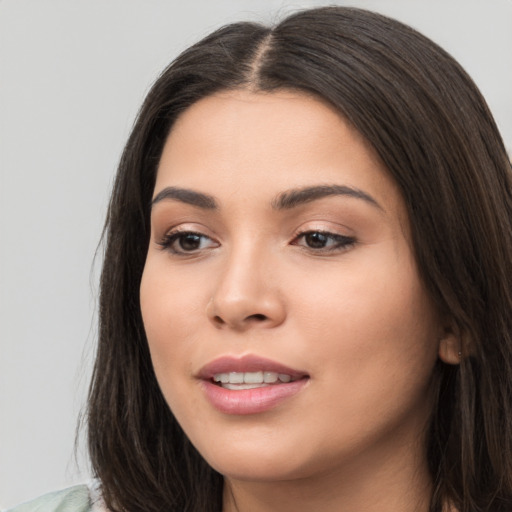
x=249 y=401
x=248 y=363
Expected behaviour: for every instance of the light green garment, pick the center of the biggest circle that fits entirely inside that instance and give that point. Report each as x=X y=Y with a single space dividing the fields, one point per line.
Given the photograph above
x=74 y=499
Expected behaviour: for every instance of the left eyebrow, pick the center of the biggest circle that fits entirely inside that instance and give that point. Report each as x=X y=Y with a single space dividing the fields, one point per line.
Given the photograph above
x=185 y=195
x=297 y=197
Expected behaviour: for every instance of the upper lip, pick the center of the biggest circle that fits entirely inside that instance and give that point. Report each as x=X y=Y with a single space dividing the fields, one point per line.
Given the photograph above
x=247 y=363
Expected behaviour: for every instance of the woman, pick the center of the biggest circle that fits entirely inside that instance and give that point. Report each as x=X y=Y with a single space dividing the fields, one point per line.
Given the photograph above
x=305 y=298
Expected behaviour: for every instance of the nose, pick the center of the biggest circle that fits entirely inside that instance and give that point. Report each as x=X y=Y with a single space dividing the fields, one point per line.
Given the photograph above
x=247 y=295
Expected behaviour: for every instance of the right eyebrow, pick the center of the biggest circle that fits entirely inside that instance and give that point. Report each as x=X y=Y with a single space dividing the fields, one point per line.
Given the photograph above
x=187 y=196
x=296 y=197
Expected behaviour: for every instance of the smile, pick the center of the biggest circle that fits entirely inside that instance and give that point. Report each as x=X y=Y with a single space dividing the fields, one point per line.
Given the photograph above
x=250 y=380
x=249 y=384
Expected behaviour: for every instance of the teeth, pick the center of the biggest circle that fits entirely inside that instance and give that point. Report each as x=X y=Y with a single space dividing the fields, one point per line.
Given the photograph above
x=250 y=378
x=236 y=378
x=270 y=377
x=253 y=377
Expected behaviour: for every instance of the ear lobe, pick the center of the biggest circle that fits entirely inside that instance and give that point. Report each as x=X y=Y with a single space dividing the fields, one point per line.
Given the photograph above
x=450 y=347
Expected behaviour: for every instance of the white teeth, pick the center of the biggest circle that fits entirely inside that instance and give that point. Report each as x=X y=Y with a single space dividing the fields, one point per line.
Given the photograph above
x=250 y=378
x=269 y=377
x=236 y=378
x=253 y=377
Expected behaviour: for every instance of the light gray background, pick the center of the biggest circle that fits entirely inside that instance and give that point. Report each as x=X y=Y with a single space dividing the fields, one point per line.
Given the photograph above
x=72 y=76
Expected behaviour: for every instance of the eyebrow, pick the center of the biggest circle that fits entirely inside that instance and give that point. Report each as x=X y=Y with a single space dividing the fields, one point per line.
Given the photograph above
x=285 y=201
x=187 y=196
x=297 y=197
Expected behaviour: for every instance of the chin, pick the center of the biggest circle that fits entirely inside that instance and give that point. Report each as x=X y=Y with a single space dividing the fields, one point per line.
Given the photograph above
x=261 y=470
x=262 y=460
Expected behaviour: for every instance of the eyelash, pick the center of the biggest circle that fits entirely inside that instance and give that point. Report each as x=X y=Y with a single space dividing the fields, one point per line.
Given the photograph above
x=168 y=241
x=340 y=242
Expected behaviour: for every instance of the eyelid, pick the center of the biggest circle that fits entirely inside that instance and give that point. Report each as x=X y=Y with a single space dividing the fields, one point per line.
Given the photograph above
x=326 y=227
x=163 y=231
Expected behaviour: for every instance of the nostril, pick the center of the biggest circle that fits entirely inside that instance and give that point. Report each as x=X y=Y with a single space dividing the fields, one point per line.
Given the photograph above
x=218 y=320
x=258 y=317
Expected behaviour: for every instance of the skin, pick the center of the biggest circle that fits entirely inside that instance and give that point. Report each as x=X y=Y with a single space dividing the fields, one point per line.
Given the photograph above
x=356 y=318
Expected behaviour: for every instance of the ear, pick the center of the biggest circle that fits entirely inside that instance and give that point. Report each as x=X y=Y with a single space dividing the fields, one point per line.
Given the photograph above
x=450 y=345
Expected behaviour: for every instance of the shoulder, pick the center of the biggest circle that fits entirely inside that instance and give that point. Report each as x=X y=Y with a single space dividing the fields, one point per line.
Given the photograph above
x=73 y=499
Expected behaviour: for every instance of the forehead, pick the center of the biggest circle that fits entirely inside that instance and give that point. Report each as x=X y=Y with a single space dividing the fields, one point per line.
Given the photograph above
x=248 y=143
x=266 y=117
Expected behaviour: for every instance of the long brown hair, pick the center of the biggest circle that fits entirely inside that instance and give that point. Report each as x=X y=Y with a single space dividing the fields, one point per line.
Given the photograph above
x=433 y=131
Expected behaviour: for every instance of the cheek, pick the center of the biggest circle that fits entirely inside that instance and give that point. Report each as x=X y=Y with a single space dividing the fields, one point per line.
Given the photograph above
x=171 y=306
x=371 y=323
x=169 y=312
x=372 y=348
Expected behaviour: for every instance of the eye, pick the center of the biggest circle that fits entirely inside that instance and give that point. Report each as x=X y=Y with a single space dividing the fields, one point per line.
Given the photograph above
x=186 y=242
x=323 y=241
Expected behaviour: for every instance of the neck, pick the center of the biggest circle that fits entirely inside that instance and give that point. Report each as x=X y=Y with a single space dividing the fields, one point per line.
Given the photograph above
x=397 y=482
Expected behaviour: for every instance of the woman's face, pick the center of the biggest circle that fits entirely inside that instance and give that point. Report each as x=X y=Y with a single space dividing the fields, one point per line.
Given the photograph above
x=280 y=253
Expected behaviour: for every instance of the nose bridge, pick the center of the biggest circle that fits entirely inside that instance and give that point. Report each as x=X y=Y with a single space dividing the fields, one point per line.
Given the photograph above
x=246 y=294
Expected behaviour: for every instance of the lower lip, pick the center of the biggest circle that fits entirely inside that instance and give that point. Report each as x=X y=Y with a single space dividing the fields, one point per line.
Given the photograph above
x=250 y=401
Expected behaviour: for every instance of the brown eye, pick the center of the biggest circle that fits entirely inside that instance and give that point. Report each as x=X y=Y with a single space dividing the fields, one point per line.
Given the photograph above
x=316 y=240
x=189 y=241
x=186 y=242
x=323 y=241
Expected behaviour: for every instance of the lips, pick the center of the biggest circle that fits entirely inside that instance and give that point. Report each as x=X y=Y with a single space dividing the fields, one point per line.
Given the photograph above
x=250 y=384
x=248 y=363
